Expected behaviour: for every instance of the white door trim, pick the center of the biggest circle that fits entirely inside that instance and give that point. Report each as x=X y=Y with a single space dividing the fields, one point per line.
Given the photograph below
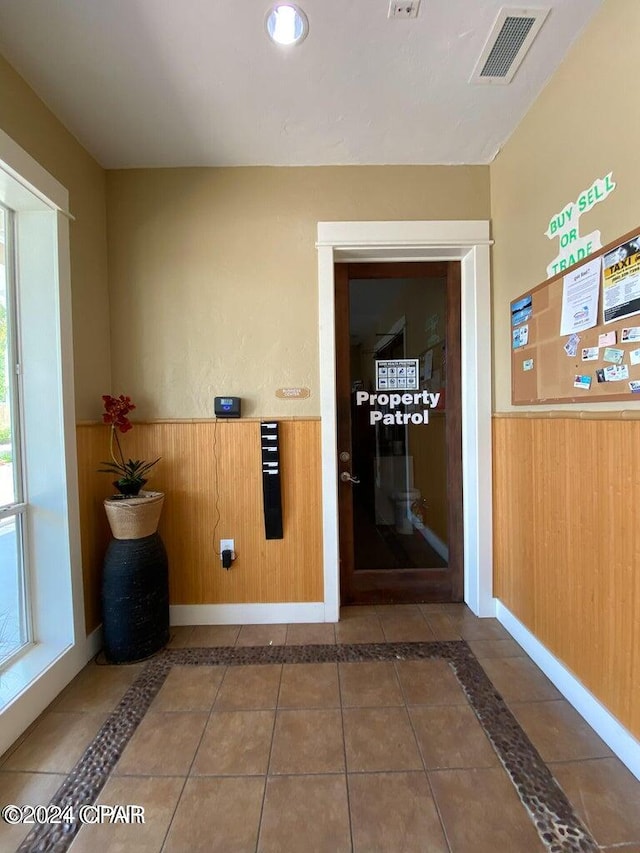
x=465 y=241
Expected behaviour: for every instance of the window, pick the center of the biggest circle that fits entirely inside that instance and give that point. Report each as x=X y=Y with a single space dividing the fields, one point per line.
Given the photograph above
x=14 y=617
x=40 y=561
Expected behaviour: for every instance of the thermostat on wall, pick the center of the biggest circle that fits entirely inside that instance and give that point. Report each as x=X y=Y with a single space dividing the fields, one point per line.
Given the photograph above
x=226 y=407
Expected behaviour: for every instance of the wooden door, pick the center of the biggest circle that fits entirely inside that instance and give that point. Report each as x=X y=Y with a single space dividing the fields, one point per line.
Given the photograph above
x=400 y=464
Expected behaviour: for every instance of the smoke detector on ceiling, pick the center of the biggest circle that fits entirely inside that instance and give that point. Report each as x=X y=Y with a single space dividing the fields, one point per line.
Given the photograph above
x=509 y=40
x=403 y=8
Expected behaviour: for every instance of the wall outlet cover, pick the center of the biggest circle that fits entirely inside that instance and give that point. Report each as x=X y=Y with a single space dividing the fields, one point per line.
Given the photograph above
x=227 y=545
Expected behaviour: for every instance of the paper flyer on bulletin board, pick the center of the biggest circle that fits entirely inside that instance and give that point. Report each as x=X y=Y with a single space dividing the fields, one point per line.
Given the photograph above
x=580 y=293
x=621 y=281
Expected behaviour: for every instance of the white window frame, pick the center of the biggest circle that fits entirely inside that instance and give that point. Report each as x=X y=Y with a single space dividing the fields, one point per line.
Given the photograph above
x=59 y=648
x=17 y=508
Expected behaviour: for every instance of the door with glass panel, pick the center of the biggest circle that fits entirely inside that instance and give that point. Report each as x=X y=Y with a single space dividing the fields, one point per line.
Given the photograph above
x=399 y=432
x=14 y=615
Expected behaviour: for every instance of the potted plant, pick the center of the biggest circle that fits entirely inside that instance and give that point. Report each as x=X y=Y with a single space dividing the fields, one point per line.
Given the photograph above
x=129 y=473
x=132 y=514
x=135 y=585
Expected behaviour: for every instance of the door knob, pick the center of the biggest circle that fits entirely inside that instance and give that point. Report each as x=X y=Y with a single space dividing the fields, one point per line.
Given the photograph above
x=347 y=478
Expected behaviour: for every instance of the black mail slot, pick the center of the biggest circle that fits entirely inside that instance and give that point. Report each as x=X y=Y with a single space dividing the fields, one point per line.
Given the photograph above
x=271 y=487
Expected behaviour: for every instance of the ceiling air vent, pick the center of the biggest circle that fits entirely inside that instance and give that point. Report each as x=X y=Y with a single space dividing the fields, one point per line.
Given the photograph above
x=507 y=45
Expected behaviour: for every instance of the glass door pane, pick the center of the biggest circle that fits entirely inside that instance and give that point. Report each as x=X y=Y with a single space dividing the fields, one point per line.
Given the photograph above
x=398 y=417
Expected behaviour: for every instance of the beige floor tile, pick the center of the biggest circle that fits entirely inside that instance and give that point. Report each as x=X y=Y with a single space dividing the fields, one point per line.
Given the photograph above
x=262 y=635
x=379 y=739
x=179 y=636
x=307 y=742
x=309 y=685
x=495 y=649
x=627 y=848
x=429 y=682
x=24 y=789
x=458 y=609
x=97 y=688
x=189 y=688
x=394 y=812
x=401 y=611
x=472 y=628
x=305 y=813
x=442 y=626
x=324 y=633
x=249 y=688
x=235 y=743
x=518 y=679
x=481 y=812
x=558 y=731
x=369 y=684
x=163 y=745
x=411 y=628
x=209 y=636
x=428 y=609
x=157 y=795
x=606 y=796
x=366 y=629
x=56 y=743
x=450 y=736
x=358 y=611
x=217 y=815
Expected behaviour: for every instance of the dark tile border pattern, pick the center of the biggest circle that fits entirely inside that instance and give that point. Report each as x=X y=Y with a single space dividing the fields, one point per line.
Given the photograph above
x=558 y=826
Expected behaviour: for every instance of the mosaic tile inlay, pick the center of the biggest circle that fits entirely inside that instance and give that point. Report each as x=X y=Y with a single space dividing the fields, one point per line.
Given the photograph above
x=558 y=826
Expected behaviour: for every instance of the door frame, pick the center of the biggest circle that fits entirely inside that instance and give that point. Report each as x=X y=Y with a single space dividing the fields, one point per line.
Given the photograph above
x=466 y=241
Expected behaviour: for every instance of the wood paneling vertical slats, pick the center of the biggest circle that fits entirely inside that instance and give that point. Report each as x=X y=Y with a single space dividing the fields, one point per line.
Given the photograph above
x=210 y=472
x=567 y=546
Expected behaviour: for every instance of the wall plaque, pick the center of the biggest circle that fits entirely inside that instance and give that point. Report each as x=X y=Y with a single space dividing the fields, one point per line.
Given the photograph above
x=293 y=393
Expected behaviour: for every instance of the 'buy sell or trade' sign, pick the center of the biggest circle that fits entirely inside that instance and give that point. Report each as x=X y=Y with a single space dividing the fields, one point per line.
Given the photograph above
x=564 y=226
x=392 y=401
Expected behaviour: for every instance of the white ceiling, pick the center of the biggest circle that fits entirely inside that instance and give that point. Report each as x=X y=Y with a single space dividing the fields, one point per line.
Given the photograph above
x=197 y=82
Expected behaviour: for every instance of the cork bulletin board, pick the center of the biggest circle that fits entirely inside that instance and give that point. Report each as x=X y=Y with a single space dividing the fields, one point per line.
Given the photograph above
x=546 y=364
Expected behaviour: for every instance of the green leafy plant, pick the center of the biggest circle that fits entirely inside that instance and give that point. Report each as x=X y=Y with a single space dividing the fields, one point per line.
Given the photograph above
x=130 y=473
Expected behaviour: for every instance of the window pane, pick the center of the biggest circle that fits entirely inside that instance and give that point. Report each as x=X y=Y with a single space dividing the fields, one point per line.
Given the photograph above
x=13 y=626
x=7 y=473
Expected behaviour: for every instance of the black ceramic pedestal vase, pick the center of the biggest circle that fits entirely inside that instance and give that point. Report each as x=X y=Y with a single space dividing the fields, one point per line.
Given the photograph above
x=135 y=599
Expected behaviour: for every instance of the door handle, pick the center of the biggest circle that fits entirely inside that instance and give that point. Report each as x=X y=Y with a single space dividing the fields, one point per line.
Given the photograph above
x=347 y=478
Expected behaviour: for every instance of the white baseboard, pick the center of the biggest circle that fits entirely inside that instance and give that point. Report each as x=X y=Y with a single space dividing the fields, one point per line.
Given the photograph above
x=612 y=732
x=93 y=643
x=248 y=614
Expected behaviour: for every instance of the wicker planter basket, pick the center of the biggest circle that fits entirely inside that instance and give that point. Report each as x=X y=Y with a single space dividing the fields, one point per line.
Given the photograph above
x=135 y=517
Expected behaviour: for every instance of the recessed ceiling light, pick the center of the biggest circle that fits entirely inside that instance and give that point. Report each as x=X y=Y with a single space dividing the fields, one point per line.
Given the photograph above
x=286 y=24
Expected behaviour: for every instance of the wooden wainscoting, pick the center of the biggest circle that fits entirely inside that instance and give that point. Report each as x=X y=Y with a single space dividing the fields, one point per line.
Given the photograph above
x=211 y=468
x=567 y=545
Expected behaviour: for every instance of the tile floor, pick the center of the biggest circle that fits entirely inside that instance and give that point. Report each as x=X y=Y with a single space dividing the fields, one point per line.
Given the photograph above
x=384 y=756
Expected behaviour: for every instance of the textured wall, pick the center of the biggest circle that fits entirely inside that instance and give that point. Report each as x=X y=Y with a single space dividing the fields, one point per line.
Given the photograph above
x=581 y=127
x=213 y=273
x=33 y=126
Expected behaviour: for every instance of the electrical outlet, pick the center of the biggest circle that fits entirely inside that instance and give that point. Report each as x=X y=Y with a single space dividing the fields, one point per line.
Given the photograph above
x=406 y=9
x=227 y=545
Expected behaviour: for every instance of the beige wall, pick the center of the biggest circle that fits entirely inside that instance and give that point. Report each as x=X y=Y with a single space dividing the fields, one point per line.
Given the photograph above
x=213 y=274
x=583 y=126
x=33 y=126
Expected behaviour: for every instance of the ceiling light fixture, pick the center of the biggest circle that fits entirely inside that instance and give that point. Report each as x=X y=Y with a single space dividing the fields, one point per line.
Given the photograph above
x=286 y=24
